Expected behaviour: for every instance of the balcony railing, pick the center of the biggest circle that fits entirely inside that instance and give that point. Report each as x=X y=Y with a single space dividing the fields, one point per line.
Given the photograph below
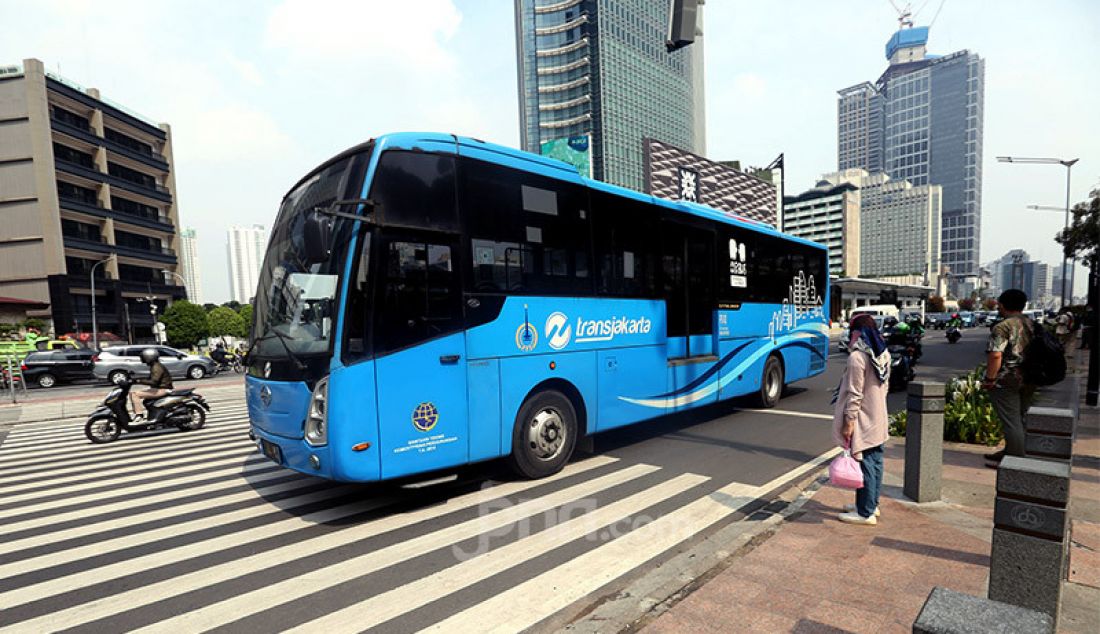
x=87 y=244
x=149 y=158
x=74 y=131
x=159 y=222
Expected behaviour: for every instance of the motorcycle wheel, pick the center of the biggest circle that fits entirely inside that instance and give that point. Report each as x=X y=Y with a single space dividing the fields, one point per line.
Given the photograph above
x=196 y=418
x=102 y=429
x=238 y=368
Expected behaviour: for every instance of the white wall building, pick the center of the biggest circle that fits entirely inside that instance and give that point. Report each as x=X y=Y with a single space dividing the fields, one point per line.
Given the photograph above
x=246 y=246
x=828 y=214
x=189 y=265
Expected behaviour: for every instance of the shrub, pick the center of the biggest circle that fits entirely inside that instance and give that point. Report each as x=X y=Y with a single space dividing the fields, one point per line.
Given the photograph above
x=968 y=414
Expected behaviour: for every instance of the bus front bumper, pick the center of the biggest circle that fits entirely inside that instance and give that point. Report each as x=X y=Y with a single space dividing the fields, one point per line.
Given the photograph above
x=294 y=453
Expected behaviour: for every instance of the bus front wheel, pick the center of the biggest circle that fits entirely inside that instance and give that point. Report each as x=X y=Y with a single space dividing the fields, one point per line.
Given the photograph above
x=544 y=436
x=771 y=383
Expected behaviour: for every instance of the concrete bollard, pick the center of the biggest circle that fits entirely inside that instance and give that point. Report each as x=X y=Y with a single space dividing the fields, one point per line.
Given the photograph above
x=949 y=612
x=1050 y=433
x=1028 y=558
x=924 y=442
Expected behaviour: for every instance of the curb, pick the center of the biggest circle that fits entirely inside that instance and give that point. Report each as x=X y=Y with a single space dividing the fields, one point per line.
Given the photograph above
x=655 y=592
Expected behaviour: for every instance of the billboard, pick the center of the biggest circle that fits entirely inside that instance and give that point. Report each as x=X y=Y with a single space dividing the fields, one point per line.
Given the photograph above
x=575 y=150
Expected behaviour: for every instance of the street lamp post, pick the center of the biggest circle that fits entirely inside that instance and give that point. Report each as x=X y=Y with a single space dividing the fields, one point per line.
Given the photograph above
x=95 y=330
x=1068 y=164
x=183 y=282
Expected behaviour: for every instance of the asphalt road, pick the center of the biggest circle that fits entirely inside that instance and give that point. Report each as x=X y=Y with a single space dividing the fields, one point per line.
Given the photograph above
x=196 y=531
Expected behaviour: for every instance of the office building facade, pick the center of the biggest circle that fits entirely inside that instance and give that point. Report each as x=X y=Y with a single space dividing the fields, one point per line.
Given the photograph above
x=828 y=214
x=1016 y=269
x=246 y=247
x=924 y=117
x=598 y=70
x=87 y=187
x=189 y=265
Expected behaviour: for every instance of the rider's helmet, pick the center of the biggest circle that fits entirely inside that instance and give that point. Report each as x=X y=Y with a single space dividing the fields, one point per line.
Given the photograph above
x=220 y=345
x=954 y=315
x=889 y=321
x=149 y=356
x=902 y=328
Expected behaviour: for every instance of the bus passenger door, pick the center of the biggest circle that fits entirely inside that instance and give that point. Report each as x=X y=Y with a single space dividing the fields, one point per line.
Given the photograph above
x=420 y=350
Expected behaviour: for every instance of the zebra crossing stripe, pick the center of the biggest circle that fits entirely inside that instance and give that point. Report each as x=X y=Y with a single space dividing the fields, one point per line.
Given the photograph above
x=37 y=445
x=392 y=604
x=80 y=446
x=526 y=604
x=118 y=475
x=216 y=494
x=530 y=602
x=122 y=601
x=197 y=444
x=271 y=595
x=119 y=569
x=152 y=480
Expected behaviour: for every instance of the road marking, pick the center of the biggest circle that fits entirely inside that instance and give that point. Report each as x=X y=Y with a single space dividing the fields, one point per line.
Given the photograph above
x=212 y=615
x=392 y=604
x=122 y=601
x=79 y=445
x=150 y=480
x=215 y=493
x=117 y=475
x=786 y=412
x=36 y=445
x=540 y=597
x=197 y=548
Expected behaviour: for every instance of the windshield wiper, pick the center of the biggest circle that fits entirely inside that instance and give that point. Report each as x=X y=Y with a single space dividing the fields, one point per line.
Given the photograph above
x=282 y=339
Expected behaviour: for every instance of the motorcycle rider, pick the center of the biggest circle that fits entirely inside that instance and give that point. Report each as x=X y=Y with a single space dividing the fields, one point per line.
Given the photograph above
x=899 y=335
x=159 y=381
x=220 y=356
x=955 y=321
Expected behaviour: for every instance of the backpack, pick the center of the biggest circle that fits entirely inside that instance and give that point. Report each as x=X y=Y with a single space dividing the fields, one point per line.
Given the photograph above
x=1044 y=358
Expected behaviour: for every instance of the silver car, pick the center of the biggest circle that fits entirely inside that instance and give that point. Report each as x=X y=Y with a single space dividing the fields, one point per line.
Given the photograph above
x=116 y=362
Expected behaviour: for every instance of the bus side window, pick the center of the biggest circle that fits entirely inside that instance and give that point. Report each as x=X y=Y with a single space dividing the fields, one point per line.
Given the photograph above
x=419 y=298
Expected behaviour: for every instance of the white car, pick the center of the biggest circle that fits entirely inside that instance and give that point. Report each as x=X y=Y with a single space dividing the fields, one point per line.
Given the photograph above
x=116 y=362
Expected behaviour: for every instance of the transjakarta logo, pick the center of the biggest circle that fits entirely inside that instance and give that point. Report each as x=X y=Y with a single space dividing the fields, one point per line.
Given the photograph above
x=558 y=331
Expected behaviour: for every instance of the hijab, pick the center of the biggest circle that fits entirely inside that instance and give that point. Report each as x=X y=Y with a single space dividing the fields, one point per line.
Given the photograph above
x=871 y=342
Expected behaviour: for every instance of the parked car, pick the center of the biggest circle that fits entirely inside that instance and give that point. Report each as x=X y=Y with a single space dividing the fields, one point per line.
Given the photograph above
x=47 y=369
x=114 y=363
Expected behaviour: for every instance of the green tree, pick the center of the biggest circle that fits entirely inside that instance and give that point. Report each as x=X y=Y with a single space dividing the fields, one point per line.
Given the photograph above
x=1082 y=239
x=246 y=316
x=185 y=323
x=225 y=322
x=934 y=304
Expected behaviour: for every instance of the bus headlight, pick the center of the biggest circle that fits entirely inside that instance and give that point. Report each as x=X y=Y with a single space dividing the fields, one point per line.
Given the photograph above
x=316 y=428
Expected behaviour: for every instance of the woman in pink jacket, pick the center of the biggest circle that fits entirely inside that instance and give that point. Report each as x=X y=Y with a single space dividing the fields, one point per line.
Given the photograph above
x=860 y=419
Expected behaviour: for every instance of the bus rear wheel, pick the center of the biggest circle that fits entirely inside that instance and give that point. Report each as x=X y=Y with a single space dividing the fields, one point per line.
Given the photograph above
x=771 y=383
x=544 y=435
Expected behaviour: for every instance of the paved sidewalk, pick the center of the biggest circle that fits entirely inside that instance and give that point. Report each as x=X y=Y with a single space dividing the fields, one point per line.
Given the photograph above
x=816 y=574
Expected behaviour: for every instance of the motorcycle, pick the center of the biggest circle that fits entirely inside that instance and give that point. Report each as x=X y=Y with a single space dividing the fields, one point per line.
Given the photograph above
x=953 y=334
x=232 y=362
x=901 y=367
x=182 y=409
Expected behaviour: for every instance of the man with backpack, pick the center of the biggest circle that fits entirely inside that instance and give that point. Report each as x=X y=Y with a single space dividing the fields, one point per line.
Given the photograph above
x=1021 y=355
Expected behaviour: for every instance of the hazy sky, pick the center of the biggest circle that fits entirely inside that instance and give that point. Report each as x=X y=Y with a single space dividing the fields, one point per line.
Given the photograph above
x=257 y=93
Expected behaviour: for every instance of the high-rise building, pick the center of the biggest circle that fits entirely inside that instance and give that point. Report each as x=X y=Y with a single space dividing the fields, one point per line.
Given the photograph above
x=828 y=214
x=597 y=73
x=87 y=187
x=923 y=120
x=246 y=246
x=189 y=265
x=1016 y=269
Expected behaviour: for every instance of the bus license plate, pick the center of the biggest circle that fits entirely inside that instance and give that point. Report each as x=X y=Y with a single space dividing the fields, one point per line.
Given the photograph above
x=272 y=451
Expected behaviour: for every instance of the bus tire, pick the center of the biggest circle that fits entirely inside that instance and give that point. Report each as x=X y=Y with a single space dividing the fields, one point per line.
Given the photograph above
x=544 y=435
x=771 y=383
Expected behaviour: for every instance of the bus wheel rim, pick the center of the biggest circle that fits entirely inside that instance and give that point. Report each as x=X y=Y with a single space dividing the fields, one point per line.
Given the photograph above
x=546 y=434
x=773 y=384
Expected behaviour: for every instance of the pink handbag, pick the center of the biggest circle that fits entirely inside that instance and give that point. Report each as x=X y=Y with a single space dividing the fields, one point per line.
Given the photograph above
x=844 y=471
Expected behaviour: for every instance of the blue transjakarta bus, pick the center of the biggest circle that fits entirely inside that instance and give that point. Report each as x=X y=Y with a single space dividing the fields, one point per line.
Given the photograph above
x=429 y=301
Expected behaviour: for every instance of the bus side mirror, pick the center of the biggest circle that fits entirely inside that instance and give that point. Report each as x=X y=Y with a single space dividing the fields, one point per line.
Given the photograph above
x=317 y=237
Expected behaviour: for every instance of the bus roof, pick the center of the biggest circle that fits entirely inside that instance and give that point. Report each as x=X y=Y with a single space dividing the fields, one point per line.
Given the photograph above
x=545 y=166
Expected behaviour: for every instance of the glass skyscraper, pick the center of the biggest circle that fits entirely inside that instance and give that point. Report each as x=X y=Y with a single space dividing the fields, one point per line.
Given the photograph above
x=922 y=122
x=599 y=69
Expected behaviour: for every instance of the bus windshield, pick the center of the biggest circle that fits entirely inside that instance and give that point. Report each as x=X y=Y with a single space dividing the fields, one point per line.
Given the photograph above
x=295 y=304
